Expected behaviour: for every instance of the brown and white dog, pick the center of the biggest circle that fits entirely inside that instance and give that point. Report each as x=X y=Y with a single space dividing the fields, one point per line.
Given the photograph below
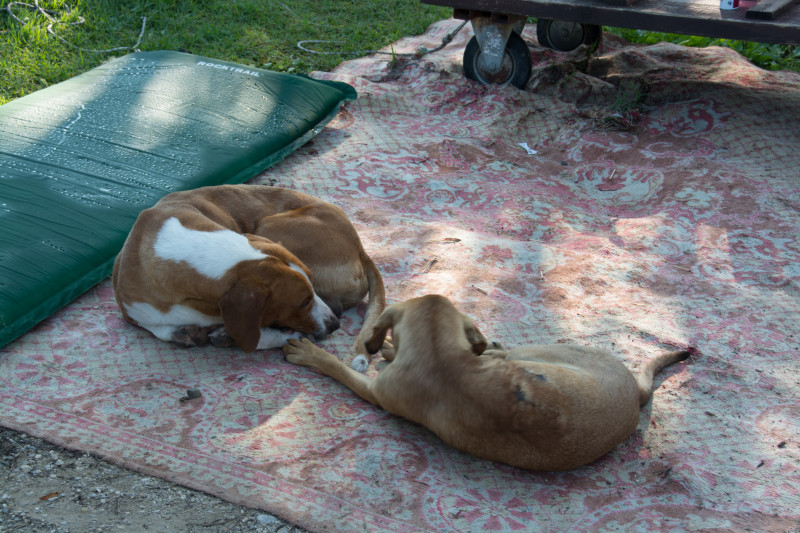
x=540 y=407
x=249 y=265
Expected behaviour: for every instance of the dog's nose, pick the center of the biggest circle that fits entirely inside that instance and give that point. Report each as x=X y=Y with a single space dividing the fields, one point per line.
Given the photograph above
x=331 y=325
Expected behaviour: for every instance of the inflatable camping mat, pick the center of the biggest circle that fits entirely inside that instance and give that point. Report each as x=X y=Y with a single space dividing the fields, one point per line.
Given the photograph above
x=79 y=160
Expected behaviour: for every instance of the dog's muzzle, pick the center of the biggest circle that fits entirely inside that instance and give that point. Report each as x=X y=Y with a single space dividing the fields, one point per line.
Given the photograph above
x=326 y=318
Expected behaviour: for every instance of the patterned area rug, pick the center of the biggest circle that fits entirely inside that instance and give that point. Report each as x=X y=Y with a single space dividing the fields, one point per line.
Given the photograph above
x=632 y=228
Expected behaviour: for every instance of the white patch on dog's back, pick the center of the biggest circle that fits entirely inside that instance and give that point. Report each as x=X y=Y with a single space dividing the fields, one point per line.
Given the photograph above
x=302 y=272
x=163 y=324
x=211 y=253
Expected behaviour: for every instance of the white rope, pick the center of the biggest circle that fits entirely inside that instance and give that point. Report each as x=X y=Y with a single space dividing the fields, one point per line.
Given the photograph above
x=52 y=21
x=421 y=52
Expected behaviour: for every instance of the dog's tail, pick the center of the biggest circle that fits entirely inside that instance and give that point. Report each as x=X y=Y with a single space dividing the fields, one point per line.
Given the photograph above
x=377 y=302
x=646 y=373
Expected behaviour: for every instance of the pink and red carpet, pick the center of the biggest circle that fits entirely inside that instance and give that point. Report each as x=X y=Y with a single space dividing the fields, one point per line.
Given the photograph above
x=633 y=232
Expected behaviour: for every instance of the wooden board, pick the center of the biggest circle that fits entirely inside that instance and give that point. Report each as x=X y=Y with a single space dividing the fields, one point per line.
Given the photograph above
x=620 y=2
x=769 y=9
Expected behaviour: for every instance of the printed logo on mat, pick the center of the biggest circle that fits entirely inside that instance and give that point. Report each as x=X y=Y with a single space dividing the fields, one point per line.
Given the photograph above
x=228 y=67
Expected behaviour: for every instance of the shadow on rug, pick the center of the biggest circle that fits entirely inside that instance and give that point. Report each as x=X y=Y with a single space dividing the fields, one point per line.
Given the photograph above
x=660 y=209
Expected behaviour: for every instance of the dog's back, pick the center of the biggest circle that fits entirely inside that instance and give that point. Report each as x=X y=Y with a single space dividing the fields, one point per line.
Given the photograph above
x=538 y=411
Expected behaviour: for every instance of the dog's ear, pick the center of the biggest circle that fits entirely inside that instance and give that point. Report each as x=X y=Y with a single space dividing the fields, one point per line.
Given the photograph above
x=475 y=337
x=241 y=309
x=382 y=326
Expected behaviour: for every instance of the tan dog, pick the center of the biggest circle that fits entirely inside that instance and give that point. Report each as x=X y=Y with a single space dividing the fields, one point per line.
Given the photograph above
x=245 y=264
x=548 y=407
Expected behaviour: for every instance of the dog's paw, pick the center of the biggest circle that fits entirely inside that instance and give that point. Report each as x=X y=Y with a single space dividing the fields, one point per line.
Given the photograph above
x=360 y=363
x=300 y=351
x=293 y=335
x=192 y=335
x=183 y=337
x=387 y=350
x=276 y=338
x=221 y=338
x=494 y=350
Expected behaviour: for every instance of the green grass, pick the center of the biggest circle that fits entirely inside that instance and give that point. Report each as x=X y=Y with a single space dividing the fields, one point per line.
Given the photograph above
x=766 y=56
x=261 y=33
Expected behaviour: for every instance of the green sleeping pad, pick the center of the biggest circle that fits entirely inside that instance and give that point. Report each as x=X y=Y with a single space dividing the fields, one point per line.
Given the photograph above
x=80 y=160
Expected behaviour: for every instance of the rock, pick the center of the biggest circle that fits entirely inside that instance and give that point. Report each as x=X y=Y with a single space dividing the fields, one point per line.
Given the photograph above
x=265 y=519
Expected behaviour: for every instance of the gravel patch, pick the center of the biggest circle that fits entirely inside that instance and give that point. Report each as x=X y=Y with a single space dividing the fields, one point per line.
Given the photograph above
x=47 y=488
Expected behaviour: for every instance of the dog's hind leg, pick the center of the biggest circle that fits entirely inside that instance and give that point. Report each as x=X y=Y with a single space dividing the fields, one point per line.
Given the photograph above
x=304 y=352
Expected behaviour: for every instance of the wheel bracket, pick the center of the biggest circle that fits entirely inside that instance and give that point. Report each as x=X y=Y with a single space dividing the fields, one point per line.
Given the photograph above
x=492 y=33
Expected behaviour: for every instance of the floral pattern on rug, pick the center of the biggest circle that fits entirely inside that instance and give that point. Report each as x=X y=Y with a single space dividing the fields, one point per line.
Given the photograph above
x=677 y=228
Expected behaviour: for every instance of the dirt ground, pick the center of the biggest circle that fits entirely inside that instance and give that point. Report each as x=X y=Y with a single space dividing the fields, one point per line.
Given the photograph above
x=46 y=488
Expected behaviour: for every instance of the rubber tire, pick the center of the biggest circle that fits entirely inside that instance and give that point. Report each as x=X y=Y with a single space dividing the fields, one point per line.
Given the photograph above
x=517 y=59
x=589 y=35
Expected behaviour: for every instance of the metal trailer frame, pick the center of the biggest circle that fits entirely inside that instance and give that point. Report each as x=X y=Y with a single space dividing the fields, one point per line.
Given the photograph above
x=497 y=55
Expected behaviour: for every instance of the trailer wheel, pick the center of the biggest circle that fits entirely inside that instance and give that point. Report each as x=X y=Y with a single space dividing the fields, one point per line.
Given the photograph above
x=565 y=36
x=515 y=69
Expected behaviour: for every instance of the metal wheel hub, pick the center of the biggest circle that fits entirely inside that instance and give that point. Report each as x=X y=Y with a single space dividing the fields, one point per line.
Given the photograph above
x=498 y=75
x=565 y=35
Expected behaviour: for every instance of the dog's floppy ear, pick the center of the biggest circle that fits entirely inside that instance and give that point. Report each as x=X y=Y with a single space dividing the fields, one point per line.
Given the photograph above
x=382 y=326
x=241 y=309
x=475 y=337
